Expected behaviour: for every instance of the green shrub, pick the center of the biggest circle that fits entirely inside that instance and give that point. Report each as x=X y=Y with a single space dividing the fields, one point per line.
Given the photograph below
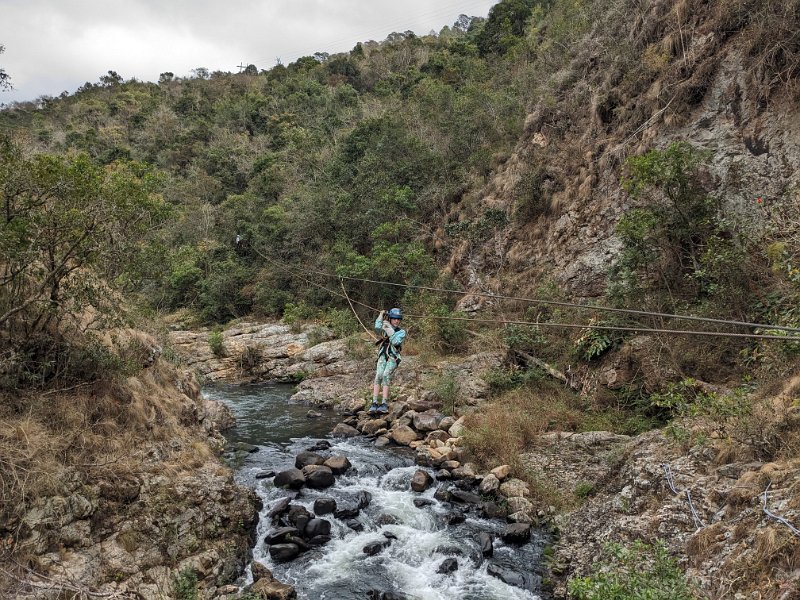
x=593 y=344
x=638 y=572
x=450 y=336
x=447 y=389
x=341 y=321
x=584 y=489
x=186 y=585
x=295 y=314
x=216 y=343
x=523 y=337
x=504 y=379
x=532 y=197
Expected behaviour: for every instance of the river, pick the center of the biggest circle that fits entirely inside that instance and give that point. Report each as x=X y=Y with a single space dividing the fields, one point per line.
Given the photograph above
x=271 y=431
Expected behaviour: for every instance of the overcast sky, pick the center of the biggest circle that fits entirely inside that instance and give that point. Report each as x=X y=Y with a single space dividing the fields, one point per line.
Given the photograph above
x=57 y=45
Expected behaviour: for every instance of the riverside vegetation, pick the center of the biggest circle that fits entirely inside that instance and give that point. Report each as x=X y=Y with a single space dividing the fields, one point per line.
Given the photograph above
x=635 y=154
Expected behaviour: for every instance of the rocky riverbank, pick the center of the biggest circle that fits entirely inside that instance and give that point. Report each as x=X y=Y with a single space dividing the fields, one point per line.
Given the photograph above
x=615 y=488
x=154 y=512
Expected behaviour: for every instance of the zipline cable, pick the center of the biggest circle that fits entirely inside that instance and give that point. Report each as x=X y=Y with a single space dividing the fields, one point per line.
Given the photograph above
x=530 y=323
x=596 y=307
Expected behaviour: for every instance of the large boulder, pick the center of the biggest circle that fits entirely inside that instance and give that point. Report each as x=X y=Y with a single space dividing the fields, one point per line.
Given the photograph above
x=373 y=548
x=270 y=589
x=466 y=471
x=338 y=464
x=298 y=516
x=421 y=481
x=372 y=426
x=317 y=527
x=343 y=430
x=457 y=429
x=501 y=472
x=403 y=435
x=516 y=533
x=426 y=421
x=465 y=497
x=486 y=541
x=290 y=478
x=324 y=506
x=448 y=565
x=515 y=488
x=519 y=504
x=306 y=458
x=284 y=552
x=525 y=581
x=489 y=485
x=279 y=507
x=318 y=476
x=438 y=435
x=279 y=536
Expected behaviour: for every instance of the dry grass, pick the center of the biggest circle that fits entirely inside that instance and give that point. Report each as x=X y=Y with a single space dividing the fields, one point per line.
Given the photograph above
x=501 y=431
x=698 y=546
x=92 y=434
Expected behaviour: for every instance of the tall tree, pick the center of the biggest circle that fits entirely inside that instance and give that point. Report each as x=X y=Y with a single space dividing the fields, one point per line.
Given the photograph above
x=68 y=226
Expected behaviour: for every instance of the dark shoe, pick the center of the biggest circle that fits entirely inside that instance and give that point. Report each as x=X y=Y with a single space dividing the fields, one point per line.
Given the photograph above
x=373 y=409
x=383 y=409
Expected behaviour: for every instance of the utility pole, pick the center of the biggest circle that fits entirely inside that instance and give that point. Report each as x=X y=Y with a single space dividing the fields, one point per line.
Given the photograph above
x=242 y=68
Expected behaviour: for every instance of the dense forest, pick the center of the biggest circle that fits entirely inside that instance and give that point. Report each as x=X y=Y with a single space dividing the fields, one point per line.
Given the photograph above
x=344 y=162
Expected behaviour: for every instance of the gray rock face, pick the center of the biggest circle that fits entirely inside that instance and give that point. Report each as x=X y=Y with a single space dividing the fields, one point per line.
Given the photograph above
x=283 y=355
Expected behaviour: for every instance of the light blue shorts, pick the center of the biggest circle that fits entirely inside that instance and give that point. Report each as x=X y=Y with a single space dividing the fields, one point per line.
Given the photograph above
x=383 y=370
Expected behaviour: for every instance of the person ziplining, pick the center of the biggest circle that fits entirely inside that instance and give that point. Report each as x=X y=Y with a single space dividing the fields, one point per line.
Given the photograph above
x=389 y=347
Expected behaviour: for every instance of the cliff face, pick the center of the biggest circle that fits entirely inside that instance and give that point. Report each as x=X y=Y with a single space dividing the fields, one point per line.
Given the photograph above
x=721 y=76
x=122 y=490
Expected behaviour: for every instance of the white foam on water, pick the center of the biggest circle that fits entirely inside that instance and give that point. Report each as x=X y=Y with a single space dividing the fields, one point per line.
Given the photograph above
x=409 y=564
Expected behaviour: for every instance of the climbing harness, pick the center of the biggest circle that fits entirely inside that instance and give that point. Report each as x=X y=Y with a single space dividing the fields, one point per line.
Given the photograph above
x=388 y=350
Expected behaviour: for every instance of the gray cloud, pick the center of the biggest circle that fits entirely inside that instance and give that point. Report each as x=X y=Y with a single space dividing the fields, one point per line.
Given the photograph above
x=57 y=45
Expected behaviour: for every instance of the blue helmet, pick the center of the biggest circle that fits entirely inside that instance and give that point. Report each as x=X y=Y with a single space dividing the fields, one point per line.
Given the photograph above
x=395 y=313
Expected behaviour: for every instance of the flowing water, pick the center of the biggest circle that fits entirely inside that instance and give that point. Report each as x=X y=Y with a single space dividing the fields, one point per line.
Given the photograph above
x=421 y=537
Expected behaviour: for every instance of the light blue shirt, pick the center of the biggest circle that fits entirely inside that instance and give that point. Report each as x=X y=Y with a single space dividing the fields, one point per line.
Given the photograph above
x=396 y=338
